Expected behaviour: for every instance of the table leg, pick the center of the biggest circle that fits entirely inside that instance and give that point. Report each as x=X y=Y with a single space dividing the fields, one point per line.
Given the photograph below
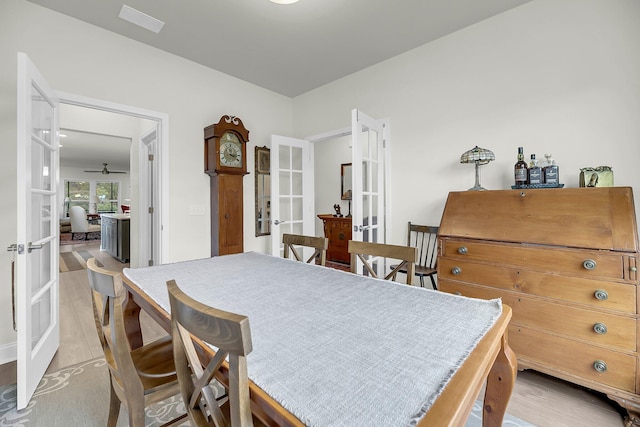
x=131 y=314
x=500 y=382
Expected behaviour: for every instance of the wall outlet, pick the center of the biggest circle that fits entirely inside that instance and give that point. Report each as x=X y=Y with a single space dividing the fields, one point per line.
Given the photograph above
x=196 y=210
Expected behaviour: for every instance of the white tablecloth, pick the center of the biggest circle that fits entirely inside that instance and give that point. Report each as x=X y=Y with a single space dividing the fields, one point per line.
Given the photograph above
x=335 y=348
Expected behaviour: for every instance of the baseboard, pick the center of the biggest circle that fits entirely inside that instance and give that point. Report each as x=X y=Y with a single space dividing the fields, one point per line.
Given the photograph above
x=8 y=353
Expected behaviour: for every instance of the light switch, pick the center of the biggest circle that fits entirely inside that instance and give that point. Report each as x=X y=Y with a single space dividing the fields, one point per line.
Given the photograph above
x=196 y=210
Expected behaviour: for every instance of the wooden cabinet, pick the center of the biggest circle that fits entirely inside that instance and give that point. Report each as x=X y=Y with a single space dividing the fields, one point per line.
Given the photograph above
x=114 y=236
x=566 y=262
x=338 y=231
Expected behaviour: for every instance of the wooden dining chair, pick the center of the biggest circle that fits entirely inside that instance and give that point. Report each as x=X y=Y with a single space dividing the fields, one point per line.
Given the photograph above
x=320 y=244
x=231 y=335
x=406 y=254
x=425 y=238
x=138 y=377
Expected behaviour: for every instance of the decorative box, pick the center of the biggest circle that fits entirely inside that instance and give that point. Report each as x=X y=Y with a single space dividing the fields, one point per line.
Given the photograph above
x=601 y=176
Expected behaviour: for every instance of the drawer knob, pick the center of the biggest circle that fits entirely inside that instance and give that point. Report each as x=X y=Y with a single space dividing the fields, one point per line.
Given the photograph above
x=589 y=264
x=456 y=270
x=601 y=294
x=462 y=250
x=600 y=328
x=634 y=269
x=600 y=366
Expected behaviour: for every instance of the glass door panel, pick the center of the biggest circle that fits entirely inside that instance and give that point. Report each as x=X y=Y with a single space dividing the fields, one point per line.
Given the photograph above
x=292 y=189
x=368 y=193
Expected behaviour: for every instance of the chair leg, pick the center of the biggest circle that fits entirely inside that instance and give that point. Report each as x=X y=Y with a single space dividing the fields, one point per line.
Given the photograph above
x=433 y=283
x=421 y=281
x=114 y=407
x=136 y=414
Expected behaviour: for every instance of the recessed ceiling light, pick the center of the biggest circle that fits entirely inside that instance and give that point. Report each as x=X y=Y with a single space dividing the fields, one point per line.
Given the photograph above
x=284 y=1
x=141 y=19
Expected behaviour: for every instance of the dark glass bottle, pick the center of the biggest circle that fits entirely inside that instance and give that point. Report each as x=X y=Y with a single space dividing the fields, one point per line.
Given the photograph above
x=535 y=172
x=551 y=172
x=520 y=169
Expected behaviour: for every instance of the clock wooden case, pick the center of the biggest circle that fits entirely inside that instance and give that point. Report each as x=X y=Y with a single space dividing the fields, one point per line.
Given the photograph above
x=225 y=149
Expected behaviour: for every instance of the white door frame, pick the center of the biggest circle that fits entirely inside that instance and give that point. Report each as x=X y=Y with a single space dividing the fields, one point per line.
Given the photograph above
x=160 y=166
x=325 y=136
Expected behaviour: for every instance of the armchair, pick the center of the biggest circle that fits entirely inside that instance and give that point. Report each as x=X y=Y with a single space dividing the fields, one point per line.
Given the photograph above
x=80 y=224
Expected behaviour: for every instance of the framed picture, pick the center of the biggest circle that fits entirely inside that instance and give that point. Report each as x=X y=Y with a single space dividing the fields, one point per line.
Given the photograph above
x=263 y=160
x=263 y=191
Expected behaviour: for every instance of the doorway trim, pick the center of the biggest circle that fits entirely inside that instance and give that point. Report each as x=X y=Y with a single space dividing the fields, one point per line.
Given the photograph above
x=386 y=140
x=160 y=163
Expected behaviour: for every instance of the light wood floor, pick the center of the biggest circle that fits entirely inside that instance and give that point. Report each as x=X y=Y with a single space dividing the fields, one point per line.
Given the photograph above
x=537 y=398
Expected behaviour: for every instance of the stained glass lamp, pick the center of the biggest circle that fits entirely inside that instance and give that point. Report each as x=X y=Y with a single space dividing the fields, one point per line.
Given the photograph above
x=479 y=156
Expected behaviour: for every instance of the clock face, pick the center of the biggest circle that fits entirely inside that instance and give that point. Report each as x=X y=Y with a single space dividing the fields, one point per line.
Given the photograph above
x=230 y=150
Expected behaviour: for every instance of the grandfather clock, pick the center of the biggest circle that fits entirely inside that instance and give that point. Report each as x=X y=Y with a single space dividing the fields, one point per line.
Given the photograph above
x=225 y=149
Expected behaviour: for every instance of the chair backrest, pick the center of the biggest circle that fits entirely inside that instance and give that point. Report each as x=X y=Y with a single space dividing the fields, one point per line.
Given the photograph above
x=407 y=254
x=320 y=244
x=425 y=238
x=108 y=295
x=78 y=217
x=231 y=335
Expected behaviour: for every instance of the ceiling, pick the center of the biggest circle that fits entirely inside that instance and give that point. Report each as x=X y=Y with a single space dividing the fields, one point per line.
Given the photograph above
x=289 y=49
x=90 y=150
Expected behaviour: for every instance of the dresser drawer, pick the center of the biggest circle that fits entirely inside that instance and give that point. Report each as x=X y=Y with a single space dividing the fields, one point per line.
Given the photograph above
x=574 y=358
x=598 y=294
x=577 y=262
x=604 y=329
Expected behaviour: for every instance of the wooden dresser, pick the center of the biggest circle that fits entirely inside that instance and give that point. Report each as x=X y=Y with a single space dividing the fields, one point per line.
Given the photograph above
x=338 y=231
x=566 y=261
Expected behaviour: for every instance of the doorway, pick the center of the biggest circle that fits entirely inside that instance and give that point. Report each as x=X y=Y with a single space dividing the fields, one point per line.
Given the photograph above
x=149 y=136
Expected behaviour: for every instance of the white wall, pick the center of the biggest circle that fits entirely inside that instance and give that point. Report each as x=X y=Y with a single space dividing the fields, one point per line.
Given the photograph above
x=82 y=59
x=551 y=76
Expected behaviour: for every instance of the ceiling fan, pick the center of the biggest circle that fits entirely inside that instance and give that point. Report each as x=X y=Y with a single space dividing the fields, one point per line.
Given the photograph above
x=106 y=171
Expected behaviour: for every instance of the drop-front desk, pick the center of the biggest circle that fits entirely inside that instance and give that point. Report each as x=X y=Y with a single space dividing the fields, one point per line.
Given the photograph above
x=566 y=261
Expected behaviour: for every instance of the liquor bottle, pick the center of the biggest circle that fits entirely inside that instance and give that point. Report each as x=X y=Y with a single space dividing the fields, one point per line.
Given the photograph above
x=551 y=171
x=535 y=172
x=520 y=169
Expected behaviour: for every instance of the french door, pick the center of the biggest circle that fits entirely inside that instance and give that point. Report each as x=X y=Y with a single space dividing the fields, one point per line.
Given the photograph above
x=292 y=202
x=368 y=183
x=37 y=247
x=292 y=183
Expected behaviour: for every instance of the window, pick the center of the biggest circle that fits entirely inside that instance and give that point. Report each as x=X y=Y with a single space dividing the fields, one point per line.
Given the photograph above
x=78 y=193
x=107 y=193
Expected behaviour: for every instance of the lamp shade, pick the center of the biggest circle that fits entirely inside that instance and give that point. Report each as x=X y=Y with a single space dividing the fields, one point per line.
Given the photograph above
x=477 y=154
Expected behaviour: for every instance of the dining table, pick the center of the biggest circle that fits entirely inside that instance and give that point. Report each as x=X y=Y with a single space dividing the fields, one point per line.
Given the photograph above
x=333 y=348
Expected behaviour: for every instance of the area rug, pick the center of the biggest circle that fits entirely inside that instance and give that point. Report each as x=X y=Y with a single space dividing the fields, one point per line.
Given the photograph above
x=79 y=396
x=74 y=260
x=66 y=239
